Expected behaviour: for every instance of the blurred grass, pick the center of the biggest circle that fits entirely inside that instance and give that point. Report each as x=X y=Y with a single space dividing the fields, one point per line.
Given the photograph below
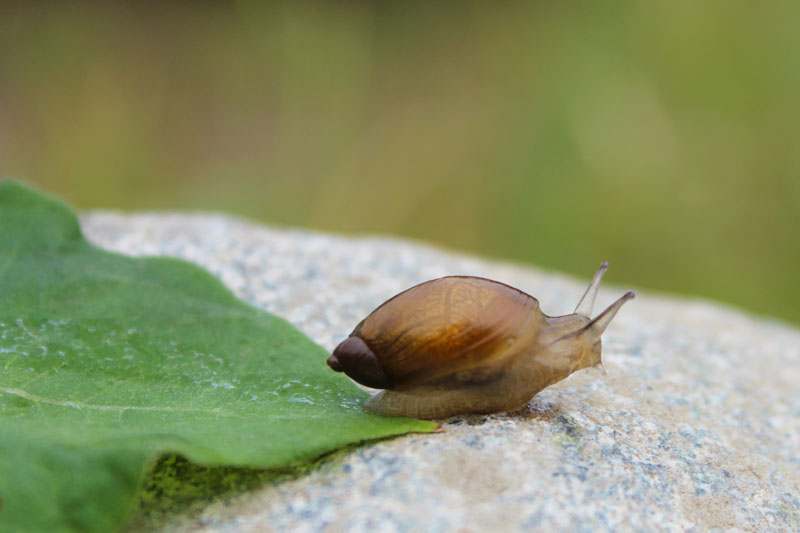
x=662 y=136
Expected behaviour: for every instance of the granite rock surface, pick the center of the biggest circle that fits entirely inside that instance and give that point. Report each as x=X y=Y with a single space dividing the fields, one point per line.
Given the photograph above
x=696 y=425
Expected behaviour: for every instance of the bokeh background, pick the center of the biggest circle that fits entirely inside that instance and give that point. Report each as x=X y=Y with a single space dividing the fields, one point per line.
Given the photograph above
x=662 y=136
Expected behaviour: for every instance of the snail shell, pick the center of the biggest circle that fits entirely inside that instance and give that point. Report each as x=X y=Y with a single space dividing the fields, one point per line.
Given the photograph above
x=463 y=344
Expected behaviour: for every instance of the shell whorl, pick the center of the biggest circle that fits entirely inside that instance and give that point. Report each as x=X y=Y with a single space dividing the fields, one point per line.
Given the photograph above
x=445 y=327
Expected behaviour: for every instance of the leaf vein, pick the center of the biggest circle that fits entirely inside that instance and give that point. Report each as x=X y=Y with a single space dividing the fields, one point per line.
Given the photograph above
x=82 y=405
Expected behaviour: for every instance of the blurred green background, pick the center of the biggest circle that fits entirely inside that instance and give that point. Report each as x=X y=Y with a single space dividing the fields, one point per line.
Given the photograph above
x=662 y=136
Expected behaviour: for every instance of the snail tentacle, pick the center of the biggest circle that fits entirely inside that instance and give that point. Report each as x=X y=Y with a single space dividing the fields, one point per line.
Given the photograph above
x=586 y=303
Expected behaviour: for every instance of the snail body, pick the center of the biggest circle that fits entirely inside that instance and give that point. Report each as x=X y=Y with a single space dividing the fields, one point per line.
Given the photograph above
x=463 y=344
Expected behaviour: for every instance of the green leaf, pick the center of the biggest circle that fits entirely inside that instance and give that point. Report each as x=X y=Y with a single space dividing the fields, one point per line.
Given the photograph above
x=108 y=362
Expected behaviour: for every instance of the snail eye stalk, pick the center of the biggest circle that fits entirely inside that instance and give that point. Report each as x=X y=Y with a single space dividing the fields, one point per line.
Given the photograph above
x=586 y=304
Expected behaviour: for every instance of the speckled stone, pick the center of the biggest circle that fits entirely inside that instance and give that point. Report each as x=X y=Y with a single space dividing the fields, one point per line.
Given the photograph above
x=696 y=425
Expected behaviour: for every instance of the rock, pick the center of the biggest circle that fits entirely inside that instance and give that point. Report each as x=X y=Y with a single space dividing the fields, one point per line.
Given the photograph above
x=696 y=425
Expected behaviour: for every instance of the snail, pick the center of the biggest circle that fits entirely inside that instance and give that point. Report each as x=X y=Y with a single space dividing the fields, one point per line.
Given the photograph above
x=463 y=344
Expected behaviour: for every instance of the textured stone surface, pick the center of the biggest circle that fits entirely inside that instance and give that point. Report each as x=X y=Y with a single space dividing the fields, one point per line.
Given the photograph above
x=696 y=425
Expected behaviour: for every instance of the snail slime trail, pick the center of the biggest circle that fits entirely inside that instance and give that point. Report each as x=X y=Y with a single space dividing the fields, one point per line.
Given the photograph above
x=463 y=344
